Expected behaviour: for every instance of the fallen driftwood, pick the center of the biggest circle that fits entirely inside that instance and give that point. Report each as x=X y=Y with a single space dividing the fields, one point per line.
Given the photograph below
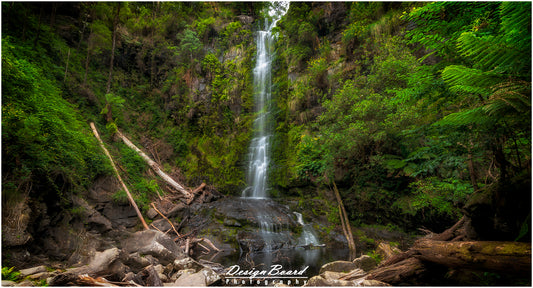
x=498 y=257
x=132 y=201
x=509 y=257
x=155 y=167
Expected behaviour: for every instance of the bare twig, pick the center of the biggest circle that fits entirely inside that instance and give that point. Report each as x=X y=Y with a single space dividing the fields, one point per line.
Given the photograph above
x=164 y=217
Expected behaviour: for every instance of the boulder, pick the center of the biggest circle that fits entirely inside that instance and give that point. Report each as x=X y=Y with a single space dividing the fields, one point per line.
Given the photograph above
x=180 y=273
x=365 y=262
x=186 y=263
x=136 y=262
x=191 y=280
x=322 y=282
x=121 y=215
x=210 y=276
x=99 y=263
x=338 y=266
x=8 y=283
x=162 y=225
x=155 y=243
x=151 y=214
x=94 y=220
x=369 y=283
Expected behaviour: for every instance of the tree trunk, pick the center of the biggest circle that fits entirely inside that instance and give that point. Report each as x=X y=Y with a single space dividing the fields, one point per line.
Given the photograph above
x=38 y=28
x=428 y=260
x=155 y=167
x=113 y=45
x=345 y=222
x=66 y=66
x=508 y=257
x=132 y=201
x=87 y=60
x=406 y=271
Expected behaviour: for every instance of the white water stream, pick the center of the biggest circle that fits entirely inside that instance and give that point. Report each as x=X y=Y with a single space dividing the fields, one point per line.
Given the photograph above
x=259 y=153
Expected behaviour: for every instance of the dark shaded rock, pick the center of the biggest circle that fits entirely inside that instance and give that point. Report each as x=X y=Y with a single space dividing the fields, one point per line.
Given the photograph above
x=63 y=279
x=130 y=276
x=155 y=243
x=151 y=214
x=254 y=212
x=176 y=210
x=93 y=219
x=150 y=277
x=136 y=262
x=121 y=215
x=264 y=241
x=162 y=224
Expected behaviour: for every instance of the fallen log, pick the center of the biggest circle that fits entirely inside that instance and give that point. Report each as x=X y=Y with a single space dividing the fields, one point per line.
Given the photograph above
x=155 y=167
x=419 y=264
x=132 y=201
x=407 y=271
x=508 y=257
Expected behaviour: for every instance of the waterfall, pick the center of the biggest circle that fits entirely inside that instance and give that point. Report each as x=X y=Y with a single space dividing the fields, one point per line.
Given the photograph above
x=308 y=237
x=259 y=151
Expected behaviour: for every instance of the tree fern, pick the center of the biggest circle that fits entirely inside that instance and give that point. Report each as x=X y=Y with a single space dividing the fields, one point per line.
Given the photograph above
x=499 y=62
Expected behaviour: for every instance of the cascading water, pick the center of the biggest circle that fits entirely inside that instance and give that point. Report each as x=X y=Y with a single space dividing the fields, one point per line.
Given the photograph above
x=259 y=153
x=308 y=236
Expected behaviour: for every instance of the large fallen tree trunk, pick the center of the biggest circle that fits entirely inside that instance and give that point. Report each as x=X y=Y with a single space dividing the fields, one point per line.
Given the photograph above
x=487 y=256
x=508 y=257
x=132 y=201
x=156 y=167
x=407 y=271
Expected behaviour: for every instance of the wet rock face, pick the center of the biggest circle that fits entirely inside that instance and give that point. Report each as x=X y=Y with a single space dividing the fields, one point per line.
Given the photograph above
x=262 y=224
x=255 y=213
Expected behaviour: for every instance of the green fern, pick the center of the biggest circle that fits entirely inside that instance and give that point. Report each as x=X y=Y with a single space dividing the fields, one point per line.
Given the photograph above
x=500 y=61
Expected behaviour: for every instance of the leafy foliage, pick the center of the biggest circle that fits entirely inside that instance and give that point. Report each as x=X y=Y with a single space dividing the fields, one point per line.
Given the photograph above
x=9 y=274
x=44 y=141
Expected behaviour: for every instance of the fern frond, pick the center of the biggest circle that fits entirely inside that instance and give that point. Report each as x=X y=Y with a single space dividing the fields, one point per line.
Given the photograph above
x=490 y=52
x=470 y=80
x=465 y=118
x=516 y=23
x=509 y=97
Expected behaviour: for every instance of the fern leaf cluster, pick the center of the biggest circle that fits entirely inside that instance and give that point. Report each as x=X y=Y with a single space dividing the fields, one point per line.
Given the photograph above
x=500 y=70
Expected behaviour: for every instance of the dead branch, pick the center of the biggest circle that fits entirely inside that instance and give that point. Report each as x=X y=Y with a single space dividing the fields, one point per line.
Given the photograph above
x=194 y=193
x=164 y=217
x=208 y=242
x=132 y=201
x=187 y=243
x=155 y=167
x=345 y=222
